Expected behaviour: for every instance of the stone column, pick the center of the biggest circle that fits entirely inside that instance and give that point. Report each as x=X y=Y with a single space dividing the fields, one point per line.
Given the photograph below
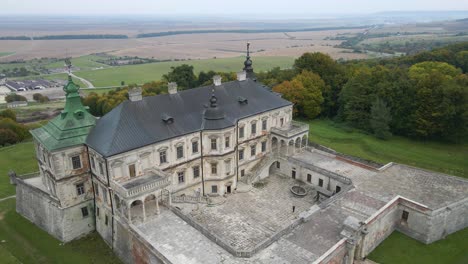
x=144 y=210
x=157 y=206
x=129 y=213
x=350 y=248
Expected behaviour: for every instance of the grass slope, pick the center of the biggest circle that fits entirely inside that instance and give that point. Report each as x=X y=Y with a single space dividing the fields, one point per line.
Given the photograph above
x=20 y=158
x=143 y=73
x=401 y=249
x=446 y=158
x=26 y=243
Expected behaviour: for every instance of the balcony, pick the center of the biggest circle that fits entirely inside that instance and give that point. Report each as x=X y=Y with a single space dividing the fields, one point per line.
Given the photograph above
x=151 y=181
x=295 y=128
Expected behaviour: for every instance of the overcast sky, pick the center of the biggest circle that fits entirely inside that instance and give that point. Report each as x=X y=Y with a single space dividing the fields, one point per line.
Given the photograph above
x=223 y=7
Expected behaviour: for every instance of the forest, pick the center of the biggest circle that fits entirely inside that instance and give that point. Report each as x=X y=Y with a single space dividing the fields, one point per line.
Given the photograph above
x=423 y=96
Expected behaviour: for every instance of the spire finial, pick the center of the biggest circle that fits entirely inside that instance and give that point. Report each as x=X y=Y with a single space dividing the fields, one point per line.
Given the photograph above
x=213 y=99
x=248 y=63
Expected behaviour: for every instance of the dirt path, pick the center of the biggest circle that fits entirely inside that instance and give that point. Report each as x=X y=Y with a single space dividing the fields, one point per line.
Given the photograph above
x=88 y=83
x=6 y=198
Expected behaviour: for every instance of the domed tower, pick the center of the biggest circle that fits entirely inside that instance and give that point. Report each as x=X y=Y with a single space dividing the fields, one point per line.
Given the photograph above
x=248 y=64
x=60 y=198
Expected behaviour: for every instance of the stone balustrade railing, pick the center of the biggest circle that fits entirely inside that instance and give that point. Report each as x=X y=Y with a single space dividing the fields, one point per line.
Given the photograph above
x=134 y=191
x=293 y=129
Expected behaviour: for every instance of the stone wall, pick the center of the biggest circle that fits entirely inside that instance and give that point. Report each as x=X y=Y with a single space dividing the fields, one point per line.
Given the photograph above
x=130 y=246
x=43 y=210
x=335 y=255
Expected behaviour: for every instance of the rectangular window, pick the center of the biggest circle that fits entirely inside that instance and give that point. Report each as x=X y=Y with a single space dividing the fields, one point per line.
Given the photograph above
x=241 y=154
x=264 y=124
x=213 y=144
x=320 y=182
x=104 y=195
x=264 y=146
x=227 y=165
x=181 y=177
x=405 y=215
x=76 y=162
x=96 y=189
x=227 y=142
x=80 y=189
x=196 y=171
x=253 y=128
x=180 y=152
x=293 y=174
x=195 y=147
x=162 y=157
x=101 y=170
x=242 y=173
x=278 y=165
x=253 y=150
x=97 y=211
x=93 y=165
x=338 y=189
x=214 y=168
x=106 y=220
x=84 y=211
x=131 y=170
x=214 y=188
x=241 y=132
x=281 y=121
x=309 y=178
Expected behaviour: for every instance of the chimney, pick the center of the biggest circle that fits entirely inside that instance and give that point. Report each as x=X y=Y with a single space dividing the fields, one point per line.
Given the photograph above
x=172 y=87
x=217 y=80
x=241 y=76
x=134 y=94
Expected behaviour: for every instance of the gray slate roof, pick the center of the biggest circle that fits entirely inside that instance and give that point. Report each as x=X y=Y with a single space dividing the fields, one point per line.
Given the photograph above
x=132 y=125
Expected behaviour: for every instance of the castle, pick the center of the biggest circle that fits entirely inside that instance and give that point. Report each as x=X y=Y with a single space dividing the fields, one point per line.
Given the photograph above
x=178 y=178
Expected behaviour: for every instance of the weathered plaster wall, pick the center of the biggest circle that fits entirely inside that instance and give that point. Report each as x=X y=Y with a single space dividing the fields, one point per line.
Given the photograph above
x=44 y=211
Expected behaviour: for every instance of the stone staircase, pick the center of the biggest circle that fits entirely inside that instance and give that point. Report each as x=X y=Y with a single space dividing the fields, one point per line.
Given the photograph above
x=254 y=171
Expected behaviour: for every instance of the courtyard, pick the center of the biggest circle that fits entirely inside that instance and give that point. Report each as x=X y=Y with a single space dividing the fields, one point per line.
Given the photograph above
x=243 y=220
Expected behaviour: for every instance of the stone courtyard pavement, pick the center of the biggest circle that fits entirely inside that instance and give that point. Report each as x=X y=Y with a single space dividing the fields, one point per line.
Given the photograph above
x=243 y=220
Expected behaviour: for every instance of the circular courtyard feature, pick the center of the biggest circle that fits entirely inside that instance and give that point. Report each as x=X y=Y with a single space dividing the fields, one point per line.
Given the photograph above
x=298 y=191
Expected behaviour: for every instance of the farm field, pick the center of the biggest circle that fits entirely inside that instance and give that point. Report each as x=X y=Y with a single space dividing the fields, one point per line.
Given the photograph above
x=445 y=158
x=401 y=249
x=26 y=243
x=143 y=73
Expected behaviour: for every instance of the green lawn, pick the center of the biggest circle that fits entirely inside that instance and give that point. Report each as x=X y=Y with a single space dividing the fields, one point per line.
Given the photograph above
x=6 y=53
x=25 y=243
x=20 y=158
x=401 y=249
x=143 y=73
x=446 y=158
x=87 y=62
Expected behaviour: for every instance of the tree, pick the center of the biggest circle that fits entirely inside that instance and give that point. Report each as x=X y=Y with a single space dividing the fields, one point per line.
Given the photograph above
x=313 y=99
x=356 y=100
x=8 y=113
x=40 y=98
x=330 y=71
x=304 y=91
x=380 y=119
x=292 y=91
x=21 y=131
x=183 y=75
x=13 y=97
x=441 y=101
x=7 y=137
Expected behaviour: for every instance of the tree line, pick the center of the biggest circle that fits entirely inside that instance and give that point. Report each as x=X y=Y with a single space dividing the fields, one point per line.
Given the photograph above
x=183 y=75
x=422 y=96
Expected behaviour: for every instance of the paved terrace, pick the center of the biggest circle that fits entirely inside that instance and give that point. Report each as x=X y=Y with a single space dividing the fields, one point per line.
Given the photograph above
x=243 y=220
x=432 y=189
x=270 y=207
